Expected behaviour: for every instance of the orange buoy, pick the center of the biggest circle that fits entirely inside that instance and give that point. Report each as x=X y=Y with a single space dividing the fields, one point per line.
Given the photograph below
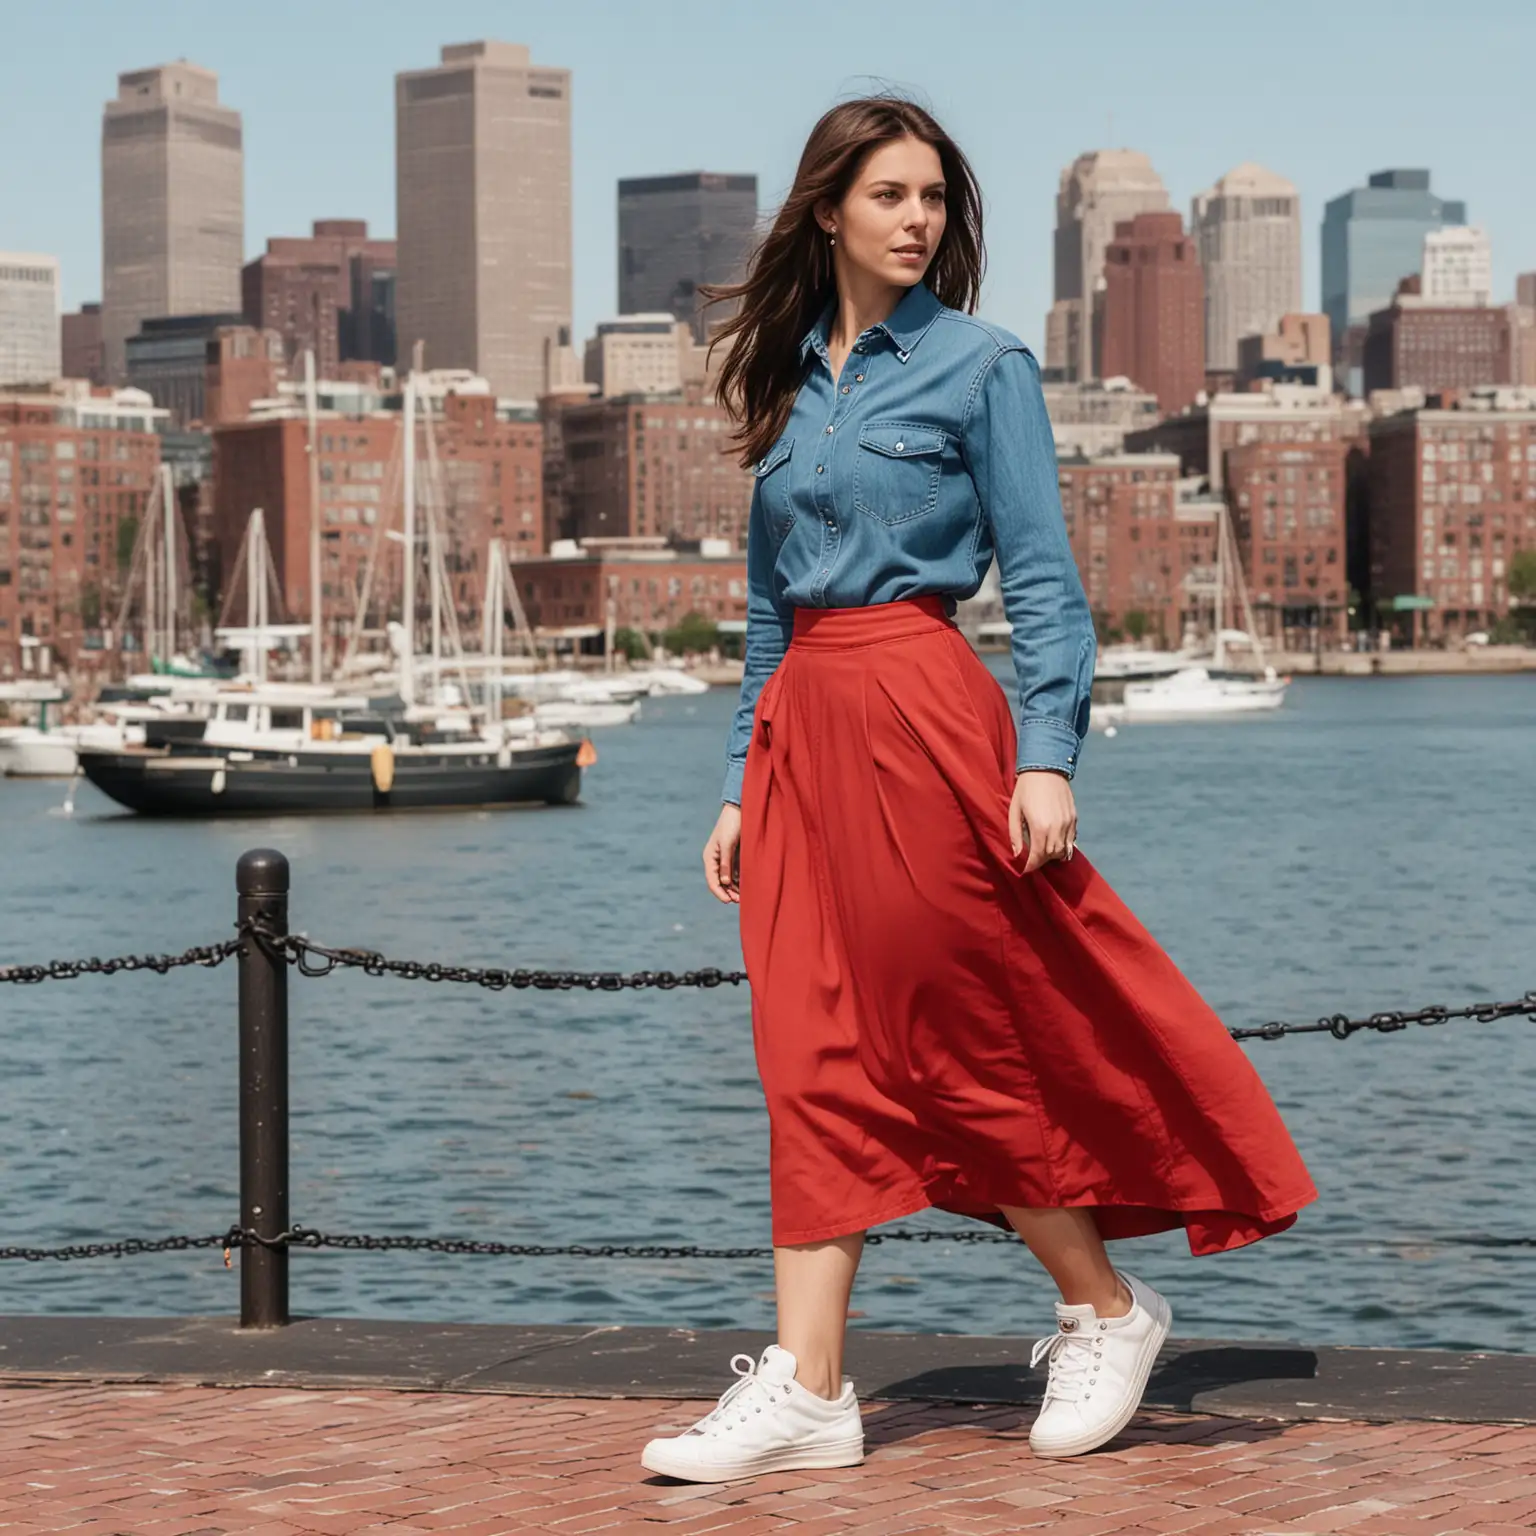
x=382 y=761
x=586 y=753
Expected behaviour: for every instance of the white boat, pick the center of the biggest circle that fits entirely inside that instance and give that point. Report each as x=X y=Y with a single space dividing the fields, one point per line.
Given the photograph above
x=1121 y=663
x=35 y=751
x=657 y=680
x=29 y=752
x=1193 y=694
x=586 y=712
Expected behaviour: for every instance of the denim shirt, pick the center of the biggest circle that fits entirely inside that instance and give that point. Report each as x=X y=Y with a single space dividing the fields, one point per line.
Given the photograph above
x=903 y=475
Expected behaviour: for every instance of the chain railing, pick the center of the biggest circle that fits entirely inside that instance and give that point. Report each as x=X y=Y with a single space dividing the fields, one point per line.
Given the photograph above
x=314 y=960
x=267 y=951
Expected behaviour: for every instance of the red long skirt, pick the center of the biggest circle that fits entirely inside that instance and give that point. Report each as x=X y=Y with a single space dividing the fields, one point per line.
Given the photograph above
x=932 y=1026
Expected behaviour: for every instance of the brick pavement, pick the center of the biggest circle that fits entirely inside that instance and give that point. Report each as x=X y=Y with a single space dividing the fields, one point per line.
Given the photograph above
x=200 y=1461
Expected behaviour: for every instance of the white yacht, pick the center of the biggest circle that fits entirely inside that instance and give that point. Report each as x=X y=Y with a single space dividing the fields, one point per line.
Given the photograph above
x=1192 y=693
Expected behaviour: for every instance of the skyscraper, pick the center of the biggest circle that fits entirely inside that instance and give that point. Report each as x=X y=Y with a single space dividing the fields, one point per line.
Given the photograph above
x=30 y=337
x=1457 y=266
x=172 y=203
x=1154 y=309
x=676 y=232
x=1247 y=230
x=483 y=213
x=1098 y=190
x=1373 y=236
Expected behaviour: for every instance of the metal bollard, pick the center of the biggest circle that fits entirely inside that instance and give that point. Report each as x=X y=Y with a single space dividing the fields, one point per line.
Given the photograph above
x=261 y=878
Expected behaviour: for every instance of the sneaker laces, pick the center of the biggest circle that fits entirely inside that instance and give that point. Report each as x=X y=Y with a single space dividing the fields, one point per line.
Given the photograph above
x=1070 y=1356
x=745 y=1396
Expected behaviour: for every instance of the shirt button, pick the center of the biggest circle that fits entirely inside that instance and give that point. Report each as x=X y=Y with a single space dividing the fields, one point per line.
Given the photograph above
x=846 y=388
x=820 y=467
x=899 y=447
x=858 y=378
x=829 y=429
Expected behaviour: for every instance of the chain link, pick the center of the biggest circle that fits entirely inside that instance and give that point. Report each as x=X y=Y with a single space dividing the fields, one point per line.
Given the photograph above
x=207 y=955
x=124 y=1247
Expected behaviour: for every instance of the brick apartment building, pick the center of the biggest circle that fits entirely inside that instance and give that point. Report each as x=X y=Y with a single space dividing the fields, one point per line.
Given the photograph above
x=1131 y=549
x=77 y=468
x=1452 y=499
x=1414 y=344
x=652 y=587
x=638 y=465
x=490 y=485
x=1287 y=502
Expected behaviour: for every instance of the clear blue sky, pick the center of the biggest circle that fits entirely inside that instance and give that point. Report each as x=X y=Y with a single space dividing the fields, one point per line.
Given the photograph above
x=1321 y=92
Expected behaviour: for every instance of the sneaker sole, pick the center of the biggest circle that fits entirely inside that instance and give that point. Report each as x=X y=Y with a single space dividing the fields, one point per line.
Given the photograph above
x=835 y=1453
x=1162 y=1316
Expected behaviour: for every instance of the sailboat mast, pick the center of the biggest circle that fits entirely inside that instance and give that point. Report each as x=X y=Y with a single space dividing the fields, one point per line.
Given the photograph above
x=1219 y=655
x=168 y=508
x=263 y=594
x=434 y=551
x=316 y=667
x=492 y=626
x=408 y=616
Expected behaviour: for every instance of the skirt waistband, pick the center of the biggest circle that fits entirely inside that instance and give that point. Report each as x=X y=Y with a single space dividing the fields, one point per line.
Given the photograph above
x=844 y=628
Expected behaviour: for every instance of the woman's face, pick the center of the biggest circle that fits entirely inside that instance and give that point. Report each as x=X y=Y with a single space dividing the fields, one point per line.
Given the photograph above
x=890 y=223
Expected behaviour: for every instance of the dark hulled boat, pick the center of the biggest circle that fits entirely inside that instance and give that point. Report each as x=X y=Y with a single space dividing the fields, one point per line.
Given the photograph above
x=271 y=753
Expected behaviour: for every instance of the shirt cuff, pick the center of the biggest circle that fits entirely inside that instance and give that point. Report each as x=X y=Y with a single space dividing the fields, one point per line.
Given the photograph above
x=1048 y=743
x=735 y=772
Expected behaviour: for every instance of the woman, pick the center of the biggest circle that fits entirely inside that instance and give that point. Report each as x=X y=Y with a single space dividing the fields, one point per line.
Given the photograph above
x=950 y=1006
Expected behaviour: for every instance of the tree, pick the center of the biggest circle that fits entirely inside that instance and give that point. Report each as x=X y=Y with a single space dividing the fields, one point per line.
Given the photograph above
x=693 y=632
x=127 y=537
x=1522 y=576
x=1136 y=623
x=631 y=643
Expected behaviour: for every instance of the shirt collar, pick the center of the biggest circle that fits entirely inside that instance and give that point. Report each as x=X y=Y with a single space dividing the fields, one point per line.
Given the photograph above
x=905 y=325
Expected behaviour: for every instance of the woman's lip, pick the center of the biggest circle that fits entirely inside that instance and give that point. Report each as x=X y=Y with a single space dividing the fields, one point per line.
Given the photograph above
x=911 y=250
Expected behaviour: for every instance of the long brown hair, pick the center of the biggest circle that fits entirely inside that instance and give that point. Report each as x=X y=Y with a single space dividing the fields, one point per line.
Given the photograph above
x=790 y=275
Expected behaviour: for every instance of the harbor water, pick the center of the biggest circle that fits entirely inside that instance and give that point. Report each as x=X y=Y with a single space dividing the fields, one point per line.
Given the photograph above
x=1370 y=847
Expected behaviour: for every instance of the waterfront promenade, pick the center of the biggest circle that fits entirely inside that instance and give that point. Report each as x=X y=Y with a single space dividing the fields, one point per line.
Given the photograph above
x=195 y=1461
x=157 y=1426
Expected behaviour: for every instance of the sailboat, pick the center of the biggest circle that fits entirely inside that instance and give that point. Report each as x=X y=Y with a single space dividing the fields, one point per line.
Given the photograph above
x=1200 y=692
x=274 y=748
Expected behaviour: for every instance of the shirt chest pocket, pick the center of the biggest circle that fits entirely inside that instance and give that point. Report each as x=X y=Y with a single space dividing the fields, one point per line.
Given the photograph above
x=771 y=476
x=897 y=469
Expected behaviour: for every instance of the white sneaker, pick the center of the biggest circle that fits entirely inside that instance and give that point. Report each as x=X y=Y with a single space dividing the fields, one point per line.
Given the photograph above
x=765 y=1422
x=1098 y=1371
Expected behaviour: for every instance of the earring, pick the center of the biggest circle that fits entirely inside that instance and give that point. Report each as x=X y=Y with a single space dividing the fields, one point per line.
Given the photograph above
x=832 y=237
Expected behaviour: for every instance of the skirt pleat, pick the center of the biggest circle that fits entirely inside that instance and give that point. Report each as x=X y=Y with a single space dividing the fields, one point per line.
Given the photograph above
x=933 y=1027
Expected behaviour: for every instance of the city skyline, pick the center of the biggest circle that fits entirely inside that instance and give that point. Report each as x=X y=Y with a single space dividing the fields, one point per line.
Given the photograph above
x=327 y=150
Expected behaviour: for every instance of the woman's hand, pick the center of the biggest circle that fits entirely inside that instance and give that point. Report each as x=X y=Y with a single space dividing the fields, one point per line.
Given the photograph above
x=1043 y=814
x=722 y=854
